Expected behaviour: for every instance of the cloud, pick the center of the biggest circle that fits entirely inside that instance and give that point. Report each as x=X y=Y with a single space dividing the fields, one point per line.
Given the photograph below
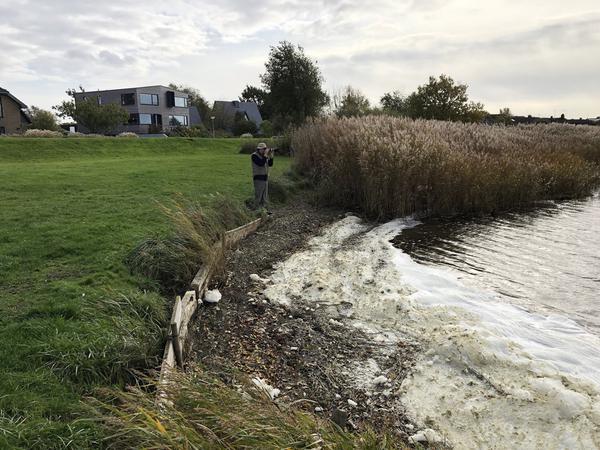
x=536 y=53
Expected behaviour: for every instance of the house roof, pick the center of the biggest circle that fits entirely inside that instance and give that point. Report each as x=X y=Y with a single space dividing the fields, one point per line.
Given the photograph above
x=232 y=107
x=131 y=89
x=9 y=95
x=195 y=118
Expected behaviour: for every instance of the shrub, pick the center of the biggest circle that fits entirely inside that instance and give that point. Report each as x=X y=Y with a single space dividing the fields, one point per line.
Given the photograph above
x=244 y=126
x=128 y=135
x=42 y=133
x=391 y=166
x=193 y=131
x=246 y=136
x=266 y=128
x=42 y=119
x=283 y=145
x=249 y=147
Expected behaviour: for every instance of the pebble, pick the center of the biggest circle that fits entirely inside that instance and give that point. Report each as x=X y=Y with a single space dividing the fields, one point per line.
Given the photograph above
x=335 y=322
x=212 y=296
x=318 y=409
x=254 y=277
x=338 y=396
x=426 y=435
x=294 y=348
x=381 y=380
x=352 y=402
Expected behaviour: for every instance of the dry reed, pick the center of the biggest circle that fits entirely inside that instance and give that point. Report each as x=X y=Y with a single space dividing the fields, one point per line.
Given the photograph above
x=390 y=167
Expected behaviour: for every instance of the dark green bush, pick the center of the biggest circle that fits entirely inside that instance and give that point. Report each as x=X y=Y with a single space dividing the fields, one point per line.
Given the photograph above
x=244 y=126
x=193 y=131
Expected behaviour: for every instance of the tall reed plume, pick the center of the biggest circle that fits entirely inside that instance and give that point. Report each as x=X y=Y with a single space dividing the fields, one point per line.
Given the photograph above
x=391 y=167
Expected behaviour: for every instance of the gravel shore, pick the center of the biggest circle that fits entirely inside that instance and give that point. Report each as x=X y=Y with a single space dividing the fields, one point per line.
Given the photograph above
x=311 y=358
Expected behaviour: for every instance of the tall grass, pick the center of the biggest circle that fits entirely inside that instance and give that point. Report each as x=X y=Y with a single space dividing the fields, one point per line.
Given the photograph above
x=173 y=260
x=204 y=413
x=391 y=167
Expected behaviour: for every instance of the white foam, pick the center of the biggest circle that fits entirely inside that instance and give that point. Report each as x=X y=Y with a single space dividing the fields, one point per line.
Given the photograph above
x=493 y=375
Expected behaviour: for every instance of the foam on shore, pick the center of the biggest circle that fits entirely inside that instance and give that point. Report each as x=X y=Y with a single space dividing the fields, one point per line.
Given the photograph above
x=492 y=375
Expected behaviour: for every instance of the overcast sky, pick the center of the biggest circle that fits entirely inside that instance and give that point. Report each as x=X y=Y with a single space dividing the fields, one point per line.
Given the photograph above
x=536 y=57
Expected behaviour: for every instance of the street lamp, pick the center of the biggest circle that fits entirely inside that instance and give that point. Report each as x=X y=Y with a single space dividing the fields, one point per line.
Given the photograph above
x=212 y=119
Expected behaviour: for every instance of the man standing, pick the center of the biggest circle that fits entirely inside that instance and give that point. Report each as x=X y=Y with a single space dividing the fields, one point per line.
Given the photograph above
x=262 y=159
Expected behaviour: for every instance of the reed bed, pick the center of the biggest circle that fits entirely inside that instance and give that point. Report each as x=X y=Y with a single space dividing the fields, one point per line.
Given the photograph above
x=390 y=167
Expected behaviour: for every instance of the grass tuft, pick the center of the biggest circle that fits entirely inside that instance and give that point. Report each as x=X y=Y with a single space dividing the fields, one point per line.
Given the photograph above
x=205 y=413
x=173 y=260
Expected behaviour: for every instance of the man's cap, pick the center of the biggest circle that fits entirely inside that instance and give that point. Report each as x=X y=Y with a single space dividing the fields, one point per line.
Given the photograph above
x=261 y=145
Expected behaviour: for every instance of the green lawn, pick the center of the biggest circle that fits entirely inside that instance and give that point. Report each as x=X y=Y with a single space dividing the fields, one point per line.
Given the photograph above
x=72 y=317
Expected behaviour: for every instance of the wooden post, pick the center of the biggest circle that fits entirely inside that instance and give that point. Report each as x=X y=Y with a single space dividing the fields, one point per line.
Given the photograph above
x=176 y=344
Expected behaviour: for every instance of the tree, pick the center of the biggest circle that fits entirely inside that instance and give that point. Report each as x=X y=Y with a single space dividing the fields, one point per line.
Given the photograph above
x=241 y=125
x=196 y=99
x=266 y=128
x=260 y=97
x=443 y=99
x=505 y=116
x=42 y=119
x=294 y=83
x=394 y=103
x=88 y=113
x=351 y=103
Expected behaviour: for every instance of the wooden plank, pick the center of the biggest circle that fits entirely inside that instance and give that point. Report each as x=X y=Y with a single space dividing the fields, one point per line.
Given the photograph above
x=232 y=237
x=201 y=280
x=176 y=344
x=184 y=309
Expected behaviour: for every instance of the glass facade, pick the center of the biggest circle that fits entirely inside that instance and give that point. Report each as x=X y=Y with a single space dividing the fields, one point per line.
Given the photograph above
x=145 y=119
x=181 y=102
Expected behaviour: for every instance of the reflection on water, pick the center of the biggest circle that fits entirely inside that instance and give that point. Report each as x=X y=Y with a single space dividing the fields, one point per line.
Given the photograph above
x=545 y=259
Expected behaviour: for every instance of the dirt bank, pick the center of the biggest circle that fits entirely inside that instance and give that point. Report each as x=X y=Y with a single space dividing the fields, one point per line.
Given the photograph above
x=312 y=358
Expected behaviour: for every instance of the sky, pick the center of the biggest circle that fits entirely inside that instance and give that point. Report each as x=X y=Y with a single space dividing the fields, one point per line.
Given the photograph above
x=535 y=57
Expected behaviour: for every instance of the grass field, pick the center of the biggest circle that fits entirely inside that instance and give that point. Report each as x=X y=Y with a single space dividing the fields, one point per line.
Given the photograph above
x=72 y=317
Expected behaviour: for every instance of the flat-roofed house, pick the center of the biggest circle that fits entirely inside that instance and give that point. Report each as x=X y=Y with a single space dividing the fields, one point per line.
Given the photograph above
x=13 y=115
x=152 y=109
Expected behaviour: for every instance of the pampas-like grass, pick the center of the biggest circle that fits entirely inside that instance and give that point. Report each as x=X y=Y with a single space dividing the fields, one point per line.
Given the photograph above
x=390 y=167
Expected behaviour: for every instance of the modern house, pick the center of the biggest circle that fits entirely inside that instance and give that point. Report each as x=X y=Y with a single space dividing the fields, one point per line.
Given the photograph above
x=152 y=109
x=13 y=115
x=226 y=113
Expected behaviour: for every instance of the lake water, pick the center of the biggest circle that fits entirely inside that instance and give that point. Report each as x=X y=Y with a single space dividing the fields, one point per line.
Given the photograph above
x=505 y=310
x=546 y=259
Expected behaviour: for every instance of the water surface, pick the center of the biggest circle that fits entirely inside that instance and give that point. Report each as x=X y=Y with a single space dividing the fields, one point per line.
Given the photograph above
x=546 y=259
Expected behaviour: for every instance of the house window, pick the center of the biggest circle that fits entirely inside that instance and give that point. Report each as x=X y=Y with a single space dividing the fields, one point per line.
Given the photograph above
x=181 y=102
x=2 y=129
x=127 y=99
x=178 y=121
x=157 y=119
x=145 y=119
x=149 y=99
x=134 y=119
